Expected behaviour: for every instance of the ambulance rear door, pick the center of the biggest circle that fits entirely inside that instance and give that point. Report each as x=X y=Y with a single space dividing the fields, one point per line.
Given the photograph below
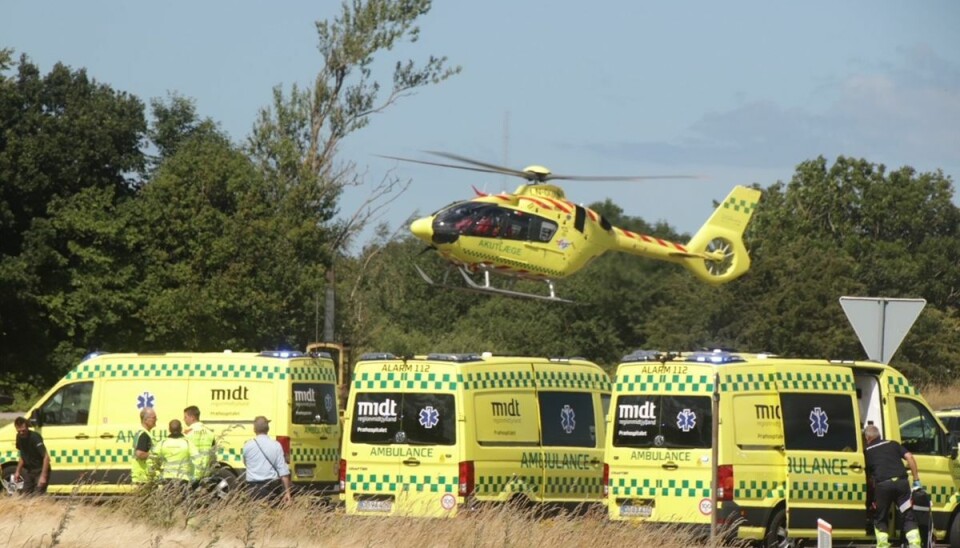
x=824 y=450
x=661 y=421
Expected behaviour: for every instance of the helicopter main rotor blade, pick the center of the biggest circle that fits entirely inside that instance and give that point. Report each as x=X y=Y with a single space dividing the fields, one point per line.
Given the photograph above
x=617 y=177
x=438 y=164
x=492 y=167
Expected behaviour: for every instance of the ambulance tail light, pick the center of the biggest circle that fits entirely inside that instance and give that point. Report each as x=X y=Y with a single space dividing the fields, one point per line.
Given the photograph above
x=725 y=482
x=606 y=480
x=466 y=478
x=343 y=475
x=285 y=443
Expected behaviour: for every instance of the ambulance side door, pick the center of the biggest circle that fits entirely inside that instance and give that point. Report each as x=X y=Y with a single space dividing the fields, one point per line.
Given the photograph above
x=69 y=433
x=918 y=432
x=571 y=428
x=823 y=445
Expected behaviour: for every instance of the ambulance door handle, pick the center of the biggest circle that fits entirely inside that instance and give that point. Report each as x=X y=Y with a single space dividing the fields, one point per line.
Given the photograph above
x=856 y=467
x=670 y=466
x=82 y=437
x=411 y=462
x=106 y=436
x=595 y=462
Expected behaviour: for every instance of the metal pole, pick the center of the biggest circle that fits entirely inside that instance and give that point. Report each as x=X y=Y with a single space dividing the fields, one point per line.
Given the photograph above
x=714 y=456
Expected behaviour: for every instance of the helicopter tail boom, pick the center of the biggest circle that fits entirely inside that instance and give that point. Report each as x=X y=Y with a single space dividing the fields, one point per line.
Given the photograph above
x=720 y=255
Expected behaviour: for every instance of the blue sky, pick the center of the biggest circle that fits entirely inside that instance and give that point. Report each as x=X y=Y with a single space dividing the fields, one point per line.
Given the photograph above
x=736 y=92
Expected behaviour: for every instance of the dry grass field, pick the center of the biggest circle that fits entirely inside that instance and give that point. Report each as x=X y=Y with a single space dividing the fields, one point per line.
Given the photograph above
x=35 y=522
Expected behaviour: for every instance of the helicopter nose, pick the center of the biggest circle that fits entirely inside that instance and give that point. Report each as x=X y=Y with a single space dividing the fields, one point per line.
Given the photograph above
x=423 y=228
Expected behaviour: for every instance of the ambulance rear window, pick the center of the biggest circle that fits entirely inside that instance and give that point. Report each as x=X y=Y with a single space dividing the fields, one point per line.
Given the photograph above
x=314 y=403
x=675 y=422
x=404 y=418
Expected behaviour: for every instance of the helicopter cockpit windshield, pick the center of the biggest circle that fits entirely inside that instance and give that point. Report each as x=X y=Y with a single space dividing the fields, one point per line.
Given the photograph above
x=490 y=221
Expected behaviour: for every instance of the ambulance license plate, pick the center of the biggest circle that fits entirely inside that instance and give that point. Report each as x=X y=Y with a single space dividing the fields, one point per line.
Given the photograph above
x=375 y=505
x=636 y=511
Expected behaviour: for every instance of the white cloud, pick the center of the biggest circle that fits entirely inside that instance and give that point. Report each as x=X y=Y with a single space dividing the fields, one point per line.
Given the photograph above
x=907 y=113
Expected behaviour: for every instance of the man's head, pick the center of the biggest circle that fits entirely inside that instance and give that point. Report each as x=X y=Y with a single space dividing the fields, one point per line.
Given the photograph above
x=148 y=418
x=261 y=425
x=175 y=428
x=871 y=433
x=22 y=426
x=191 y=414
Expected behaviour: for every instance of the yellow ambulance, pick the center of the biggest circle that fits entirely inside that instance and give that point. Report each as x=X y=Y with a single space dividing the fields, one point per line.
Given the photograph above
x=432 y=435
x=790 y=448
x=88 y=420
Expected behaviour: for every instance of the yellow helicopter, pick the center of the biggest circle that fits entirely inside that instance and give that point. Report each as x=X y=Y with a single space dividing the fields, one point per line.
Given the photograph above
x=535 y=233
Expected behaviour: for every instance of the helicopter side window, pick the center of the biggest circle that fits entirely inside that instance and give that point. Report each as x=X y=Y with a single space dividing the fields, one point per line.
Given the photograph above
x=473 y=220
x=542 y=230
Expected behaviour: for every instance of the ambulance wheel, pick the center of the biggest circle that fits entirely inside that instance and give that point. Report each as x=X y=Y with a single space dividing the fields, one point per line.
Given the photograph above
x=776 y=534
x=955 y=532
x=9 y=487
x=225 y=482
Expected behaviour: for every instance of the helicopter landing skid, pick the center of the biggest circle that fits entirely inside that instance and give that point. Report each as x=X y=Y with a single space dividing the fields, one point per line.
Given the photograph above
x=487 y=287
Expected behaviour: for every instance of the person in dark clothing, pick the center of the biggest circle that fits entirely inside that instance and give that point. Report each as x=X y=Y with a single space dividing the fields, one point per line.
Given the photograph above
x=33 y=468
x=885 y=467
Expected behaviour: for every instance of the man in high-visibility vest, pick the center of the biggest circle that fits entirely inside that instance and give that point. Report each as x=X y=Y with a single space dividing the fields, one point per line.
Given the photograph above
x=203 y=440
x=142 y=444
x=175 y=458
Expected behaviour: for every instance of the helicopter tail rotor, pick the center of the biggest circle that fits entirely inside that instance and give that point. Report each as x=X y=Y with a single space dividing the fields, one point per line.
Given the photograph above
x=716 y=253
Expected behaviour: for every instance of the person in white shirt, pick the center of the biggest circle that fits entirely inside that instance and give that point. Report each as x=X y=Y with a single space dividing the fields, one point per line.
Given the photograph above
x=268 y=474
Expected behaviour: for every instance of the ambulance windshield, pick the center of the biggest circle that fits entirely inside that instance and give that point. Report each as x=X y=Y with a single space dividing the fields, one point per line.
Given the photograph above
x=404 y=418
x=668 y=421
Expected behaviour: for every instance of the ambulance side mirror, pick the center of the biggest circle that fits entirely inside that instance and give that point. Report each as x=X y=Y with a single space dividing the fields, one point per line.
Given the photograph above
x=35 y=419
x=952 y=442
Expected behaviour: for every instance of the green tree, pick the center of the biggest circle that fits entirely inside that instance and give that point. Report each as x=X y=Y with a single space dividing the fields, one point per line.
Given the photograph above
x=294 y=141
x=69 y=158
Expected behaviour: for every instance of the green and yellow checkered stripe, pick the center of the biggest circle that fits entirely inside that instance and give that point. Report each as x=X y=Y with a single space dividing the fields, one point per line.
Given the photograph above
x=432 y=484
x=739 y=204
x=487 y=485
x=559 y=486
x=79 y=457
x=748 y=382
x=498 y=379
x=310 y=454
x=374 y=482
x=702 y=384
x=816 y=381
x=817 y=491
x=755 y=382
x=943 y=495
x=7 y=456
x=759 y=490
x=177 y=369
x=898 y=384
x=316 y=374
x=571 y=379
x=641 y=488
x=405 y=381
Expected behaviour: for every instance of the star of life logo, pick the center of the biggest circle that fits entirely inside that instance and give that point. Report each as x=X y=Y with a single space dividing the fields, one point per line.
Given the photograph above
x=818 y=422
x=328 y=402
x=145 y=400
x=568 y=419
x=686 y=420
x=429 y=417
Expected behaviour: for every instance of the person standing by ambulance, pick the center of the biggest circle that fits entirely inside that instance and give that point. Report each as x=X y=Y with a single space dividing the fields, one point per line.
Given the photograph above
x=175 y=456
x=885 y=467
x=142 y=444
x=203 y=440
x=268 y=473
x=33 y=468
